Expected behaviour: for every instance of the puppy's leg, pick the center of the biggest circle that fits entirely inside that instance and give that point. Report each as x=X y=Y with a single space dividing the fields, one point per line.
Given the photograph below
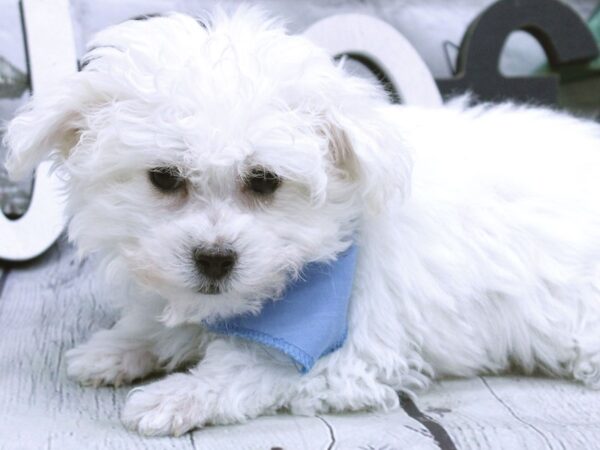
x=135 y=347
x=232 y=383
x=237 y=381
x=585 y=365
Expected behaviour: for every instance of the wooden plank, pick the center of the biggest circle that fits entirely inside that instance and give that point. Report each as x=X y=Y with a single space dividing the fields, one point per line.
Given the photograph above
x=276 y=432
x=391 y=430
x=515 y=412
x=564 y=413
x=45 y=308
x=394 y=429
x=3 y=275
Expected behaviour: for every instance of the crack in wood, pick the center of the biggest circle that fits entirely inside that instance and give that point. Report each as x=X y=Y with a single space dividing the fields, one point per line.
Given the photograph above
x=3 y=276
x=385 y=447
x=514 y=414
x=192 y=440
x=331 y=433
x=438 y=432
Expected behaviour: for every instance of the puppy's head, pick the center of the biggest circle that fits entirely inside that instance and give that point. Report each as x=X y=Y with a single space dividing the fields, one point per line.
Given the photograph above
x=211 y=162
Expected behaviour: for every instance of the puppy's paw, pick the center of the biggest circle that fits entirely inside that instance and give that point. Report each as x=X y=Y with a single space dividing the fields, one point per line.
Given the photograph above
x=587 y=370
x=172 y=406
x=94 y=365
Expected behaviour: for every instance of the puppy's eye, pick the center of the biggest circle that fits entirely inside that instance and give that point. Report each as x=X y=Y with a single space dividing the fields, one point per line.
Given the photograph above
x=262 y=181
x=166 y=179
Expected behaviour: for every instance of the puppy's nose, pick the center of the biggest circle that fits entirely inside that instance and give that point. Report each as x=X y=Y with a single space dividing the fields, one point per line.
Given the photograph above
x=214 y=264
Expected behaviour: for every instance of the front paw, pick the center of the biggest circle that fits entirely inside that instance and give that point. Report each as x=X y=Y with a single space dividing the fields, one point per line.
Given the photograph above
x=172 y=406
x=97 y=365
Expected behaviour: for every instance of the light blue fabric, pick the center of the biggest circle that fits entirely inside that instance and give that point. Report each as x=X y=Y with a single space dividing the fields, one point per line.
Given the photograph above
x=310 y=320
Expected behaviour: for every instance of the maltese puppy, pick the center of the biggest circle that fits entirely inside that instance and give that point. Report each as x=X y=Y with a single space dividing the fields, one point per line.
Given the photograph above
x=212 y=167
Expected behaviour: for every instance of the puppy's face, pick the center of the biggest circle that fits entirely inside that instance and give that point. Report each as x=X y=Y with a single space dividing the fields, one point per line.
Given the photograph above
x=212 y=163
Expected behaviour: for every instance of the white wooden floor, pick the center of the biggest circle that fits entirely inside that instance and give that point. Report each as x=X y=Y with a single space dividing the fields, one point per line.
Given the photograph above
x=49 y=305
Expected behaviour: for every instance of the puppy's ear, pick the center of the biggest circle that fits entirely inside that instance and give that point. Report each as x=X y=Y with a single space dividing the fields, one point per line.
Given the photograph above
x=366 y=143
x=48 y=125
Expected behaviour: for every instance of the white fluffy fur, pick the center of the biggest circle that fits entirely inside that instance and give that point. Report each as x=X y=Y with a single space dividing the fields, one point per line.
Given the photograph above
x=478 y=228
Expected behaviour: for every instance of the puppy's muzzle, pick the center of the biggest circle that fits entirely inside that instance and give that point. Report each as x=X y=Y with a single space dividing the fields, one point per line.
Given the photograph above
x=214 y=264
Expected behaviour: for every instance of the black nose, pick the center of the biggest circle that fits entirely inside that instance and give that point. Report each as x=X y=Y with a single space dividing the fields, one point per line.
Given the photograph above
x=214 y=264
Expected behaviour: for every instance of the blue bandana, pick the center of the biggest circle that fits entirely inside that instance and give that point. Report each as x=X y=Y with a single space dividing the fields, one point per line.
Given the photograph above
x=309 y=321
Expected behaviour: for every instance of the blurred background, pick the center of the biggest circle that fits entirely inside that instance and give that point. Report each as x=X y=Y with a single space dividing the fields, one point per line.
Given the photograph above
x=434 y=27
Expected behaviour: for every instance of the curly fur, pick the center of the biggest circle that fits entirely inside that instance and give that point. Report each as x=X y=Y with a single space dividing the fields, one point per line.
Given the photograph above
x=478 y=228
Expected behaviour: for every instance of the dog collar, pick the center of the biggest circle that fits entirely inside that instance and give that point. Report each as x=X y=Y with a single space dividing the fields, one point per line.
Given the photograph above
x=310 y=319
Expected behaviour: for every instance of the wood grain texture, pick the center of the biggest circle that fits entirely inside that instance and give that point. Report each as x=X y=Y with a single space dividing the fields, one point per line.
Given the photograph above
x=516 y=413
x=45 y=307
x=378 y=431
x=51 y=304
x=3 y=276
x=285 y=432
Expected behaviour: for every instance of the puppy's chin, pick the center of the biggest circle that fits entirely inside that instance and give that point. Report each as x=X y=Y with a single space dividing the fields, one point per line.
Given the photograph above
x=184 y=304
x=188 y=299
x=186 y=307
x=210 y=289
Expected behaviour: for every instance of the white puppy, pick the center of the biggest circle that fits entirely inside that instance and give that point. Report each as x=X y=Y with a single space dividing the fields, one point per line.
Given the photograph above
x=478 y=230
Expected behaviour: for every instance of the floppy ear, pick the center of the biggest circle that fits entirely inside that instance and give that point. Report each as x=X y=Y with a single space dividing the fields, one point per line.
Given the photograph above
x=51 y=124
x=48 y=125
x=366 y=142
